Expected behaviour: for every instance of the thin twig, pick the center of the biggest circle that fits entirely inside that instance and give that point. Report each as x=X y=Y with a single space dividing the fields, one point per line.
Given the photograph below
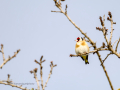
x=49 y=74
x=9 y=58
x=41 y=71
x=106 y=57
x=66 y=9
x=103 y=27
x=35 y=76
x=114 y=43
x=60 y=2
x=57 y=11
x=117 y=45
x=20 y=87
x=109 y=13
x=2 y=51
x=40 y=63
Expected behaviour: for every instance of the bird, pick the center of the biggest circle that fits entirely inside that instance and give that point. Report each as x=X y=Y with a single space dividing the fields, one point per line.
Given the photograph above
x=81 y=47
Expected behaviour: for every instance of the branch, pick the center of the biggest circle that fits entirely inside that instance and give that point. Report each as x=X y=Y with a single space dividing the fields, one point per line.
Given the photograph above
x=117 y=45
x=114 y=43
x=104 y=29
x=59 y=6
x=20 y=87
x=106 y=57
x=99 y=49
x=9 y=58
x=8 y=82
x=57 y=11
x=40 y=63
x=35 y=76
x=2 y=51
x=49 y=74
x=41 y=71
x=109 y=13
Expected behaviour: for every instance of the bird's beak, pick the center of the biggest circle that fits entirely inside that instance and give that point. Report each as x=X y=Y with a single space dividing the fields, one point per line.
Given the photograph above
x=76 y=40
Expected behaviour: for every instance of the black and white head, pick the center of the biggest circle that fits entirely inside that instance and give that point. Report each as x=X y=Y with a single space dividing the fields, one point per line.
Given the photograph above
x=79 y=39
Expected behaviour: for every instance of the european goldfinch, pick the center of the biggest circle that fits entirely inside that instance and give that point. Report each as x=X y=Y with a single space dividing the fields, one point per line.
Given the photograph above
x=81 y=47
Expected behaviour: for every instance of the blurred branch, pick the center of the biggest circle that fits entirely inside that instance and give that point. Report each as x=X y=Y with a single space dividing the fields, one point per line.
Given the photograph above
x=114 y=43
x=41 y=73
x=10 y=83
x=9 y=58
x=2 y=51
x=57 y=11
x=117 y=45
x=35 y=76
x=110 y=15
x=49 y=74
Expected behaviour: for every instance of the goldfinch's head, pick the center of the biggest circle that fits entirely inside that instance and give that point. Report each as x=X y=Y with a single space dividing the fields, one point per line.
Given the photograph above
x=79 y=39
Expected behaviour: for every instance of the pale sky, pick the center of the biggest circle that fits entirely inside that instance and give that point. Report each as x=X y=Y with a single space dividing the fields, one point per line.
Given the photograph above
x=30 y=25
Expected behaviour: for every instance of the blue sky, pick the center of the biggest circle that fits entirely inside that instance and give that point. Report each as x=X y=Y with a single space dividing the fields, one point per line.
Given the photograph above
x=30 y=25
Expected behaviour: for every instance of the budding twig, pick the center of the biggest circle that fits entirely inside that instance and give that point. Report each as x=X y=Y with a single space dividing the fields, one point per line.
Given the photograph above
x=10 y=83
x=117 y=45
x=49 y=74
x=2 y=51
x=9 y=58
x=35 y=76
x=66 y=9
x=41 y=71
x=40 y=63
x=20 y=87
x=109 y=13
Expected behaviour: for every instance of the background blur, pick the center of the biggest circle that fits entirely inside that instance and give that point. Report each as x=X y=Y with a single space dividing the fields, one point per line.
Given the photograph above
x=30 y=25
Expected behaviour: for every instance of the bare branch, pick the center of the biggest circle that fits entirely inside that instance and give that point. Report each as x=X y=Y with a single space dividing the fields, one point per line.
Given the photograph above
x=57 y=11
x=9 y=82
x=66 y=9
x=117 y=45
x=35 y=76
x=109 y=13
x=40 y=63
x=9 y=58
x=20 y=87
x=99 y=49
x=2 y=51
x=60 y=2
x=106 y=57
x=114 y=43
x=104 y=31
x=41 y=71
x=49 y=74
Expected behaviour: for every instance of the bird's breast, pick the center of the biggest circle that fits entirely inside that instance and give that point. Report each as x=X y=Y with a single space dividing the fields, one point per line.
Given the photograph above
x=81 y=49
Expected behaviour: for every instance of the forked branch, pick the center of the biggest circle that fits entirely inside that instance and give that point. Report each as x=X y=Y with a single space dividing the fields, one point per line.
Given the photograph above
x=41 y=73
x=9 y=58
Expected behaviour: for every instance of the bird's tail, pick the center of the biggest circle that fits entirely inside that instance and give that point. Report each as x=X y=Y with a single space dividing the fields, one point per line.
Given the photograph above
x=86 y=61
